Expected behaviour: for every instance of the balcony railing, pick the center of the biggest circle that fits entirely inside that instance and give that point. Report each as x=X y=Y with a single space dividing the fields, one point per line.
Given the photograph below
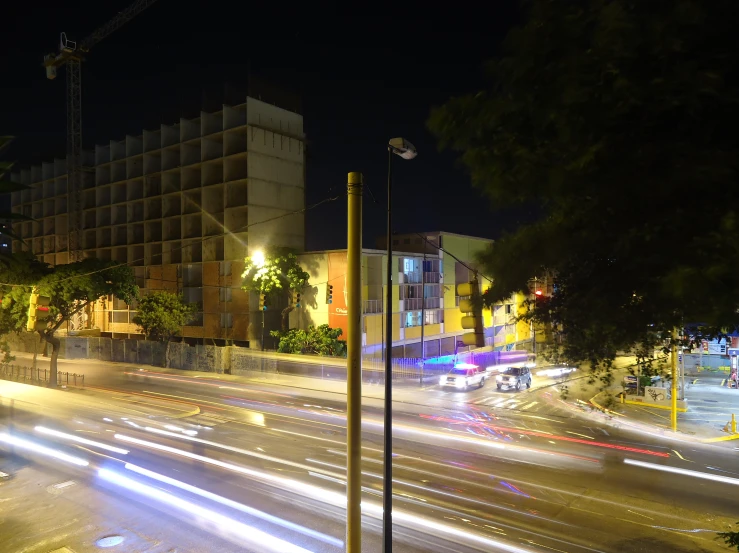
x=414 y=304
x=372 y=306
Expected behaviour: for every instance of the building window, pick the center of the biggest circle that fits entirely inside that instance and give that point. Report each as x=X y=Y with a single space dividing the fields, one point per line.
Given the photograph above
x=434 y=316
x=225 y=294
x=227 y=320
x=412 y=318
x=508 y=309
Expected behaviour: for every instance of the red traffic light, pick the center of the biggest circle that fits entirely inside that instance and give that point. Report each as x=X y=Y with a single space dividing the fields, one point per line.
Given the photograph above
x=41 y=308
x=538 y=292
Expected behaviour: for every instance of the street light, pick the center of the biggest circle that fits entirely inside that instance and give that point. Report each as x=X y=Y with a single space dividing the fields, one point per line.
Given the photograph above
x=400 y=147
x=258 y=258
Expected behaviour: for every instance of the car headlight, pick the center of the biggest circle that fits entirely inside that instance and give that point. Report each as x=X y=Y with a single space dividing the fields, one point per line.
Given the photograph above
x=499 y=378
x=442 y=379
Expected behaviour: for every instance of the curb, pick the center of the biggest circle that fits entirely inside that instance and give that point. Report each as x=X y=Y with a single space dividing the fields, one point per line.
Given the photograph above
x=721 y=439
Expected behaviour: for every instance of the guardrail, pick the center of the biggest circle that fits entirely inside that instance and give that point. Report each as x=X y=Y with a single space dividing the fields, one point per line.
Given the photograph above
x=29 y=375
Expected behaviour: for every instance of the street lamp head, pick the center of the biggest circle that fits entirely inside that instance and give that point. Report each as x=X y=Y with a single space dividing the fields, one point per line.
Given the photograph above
x=258 y=258
x=402 y=148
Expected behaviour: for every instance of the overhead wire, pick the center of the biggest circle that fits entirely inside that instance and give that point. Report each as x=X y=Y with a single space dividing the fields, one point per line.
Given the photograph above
x=438 y=247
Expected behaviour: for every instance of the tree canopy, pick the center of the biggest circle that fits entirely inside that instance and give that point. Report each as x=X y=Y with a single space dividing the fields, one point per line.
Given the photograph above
x=22 y=269
x=276 y=270
x=161 y=315
x=320 y=340
x=72 y=287
x=273 y=272
x=617 y=121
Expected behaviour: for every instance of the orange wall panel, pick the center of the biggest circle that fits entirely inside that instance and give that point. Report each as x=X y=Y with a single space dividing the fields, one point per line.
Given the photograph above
x=211 y=274
x=211 y=299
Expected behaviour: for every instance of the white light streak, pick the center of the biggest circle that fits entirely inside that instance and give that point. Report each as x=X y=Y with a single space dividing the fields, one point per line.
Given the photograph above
x=73 y=438
x=684 y=472
x=227 y=448
x=235 y=505
x=252 y=537
x=43 y=450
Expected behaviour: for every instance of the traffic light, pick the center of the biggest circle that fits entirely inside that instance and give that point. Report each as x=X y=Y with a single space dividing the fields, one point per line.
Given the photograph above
x=472 y=305
x=329 y=293
x=263 y=302
x=38 y=312
x=297 y=299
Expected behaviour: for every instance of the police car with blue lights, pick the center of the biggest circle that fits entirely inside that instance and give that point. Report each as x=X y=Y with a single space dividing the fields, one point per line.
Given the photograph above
x=463 y=376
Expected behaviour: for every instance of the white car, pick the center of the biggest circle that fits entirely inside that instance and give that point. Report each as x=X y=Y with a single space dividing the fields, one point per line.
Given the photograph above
x=463 y=376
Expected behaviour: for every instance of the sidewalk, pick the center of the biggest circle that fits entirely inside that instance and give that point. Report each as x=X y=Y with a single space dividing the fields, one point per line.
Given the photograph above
x=38 y=400
x=709 y=409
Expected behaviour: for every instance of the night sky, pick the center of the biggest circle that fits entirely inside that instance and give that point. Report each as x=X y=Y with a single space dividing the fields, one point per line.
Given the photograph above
x=362 y=78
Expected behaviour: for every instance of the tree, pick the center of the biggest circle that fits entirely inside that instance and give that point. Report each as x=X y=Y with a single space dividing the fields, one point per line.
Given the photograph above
x=616 y=122
x=161 y=316
x=73 y=287
x=731 y=538
x=321 y=340
x=274 y=272
x=23 y=270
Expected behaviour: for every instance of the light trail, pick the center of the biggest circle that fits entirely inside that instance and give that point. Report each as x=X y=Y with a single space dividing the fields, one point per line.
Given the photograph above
x=224 y=446
x=684 y=472
x=336 y=499
x=236 y=505
x=542 y=434
x=43 y=450
x=73 y=438
x=248 y=535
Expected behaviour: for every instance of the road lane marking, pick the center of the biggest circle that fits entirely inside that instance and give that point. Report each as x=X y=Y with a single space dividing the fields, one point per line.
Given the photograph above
x=581 y=435
x=681 y=457
x=639 y=514
x=530 y=405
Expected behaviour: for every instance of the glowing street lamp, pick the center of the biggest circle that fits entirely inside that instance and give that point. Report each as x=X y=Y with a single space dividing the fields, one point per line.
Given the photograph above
x=258 y=258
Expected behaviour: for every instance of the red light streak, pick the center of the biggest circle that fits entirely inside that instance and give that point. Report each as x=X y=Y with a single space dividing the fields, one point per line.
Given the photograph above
x=551 y=436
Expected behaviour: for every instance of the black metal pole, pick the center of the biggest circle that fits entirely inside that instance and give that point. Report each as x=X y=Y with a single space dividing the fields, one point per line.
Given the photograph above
x=423 y=310
x=387 y=469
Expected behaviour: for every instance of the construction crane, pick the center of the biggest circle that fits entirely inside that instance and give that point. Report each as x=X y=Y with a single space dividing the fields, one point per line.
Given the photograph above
x=72 y=54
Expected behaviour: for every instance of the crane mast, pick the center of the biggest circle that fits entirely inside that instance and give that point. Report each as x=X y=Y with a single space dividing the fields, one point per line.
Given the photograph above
x=71 y=54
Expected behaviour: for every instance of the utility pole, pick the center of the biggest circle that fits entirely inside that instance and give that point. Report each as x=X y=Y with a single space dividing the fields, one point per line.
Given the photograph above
x=354 y=367
x=423 y=309
x=673 y=417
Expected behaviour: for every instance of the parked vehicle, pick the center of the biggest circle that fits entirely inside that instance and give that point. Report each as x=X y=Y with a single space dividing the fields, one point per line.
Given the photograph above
x=463 y=376
x=514 y=377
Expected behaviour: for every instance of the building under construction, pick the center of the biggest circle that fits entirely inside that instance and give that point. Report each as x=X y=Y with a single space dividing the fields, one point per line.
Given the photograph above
x=182 y=205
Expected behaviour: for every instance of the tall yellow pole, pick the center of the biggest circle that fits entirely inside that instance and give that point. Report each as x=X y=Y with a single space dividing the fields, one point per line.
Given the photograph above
x=673 y=417
x=354 y=367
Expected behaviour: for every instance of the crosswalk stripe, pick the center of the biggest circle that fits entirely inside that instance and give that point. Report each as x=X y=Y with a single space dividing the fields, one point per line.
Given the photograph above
x=497 y=402
x=512 y=403
x=529 y=405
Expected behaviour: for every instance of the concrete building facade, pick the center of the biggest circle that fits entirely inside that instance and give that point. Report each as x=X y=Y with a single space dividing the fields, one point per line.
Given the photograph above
x=421 y=273
x=182 y=204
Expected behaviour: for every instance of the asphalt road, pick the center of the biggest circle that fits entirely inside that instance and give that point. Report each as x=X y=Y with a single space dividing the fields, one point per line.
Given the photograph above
x=474 y=471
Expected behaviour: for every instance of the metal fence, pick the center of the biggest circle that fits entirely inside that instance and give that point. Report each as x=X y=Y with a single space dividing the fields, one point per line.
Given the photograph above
x=29 y=375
